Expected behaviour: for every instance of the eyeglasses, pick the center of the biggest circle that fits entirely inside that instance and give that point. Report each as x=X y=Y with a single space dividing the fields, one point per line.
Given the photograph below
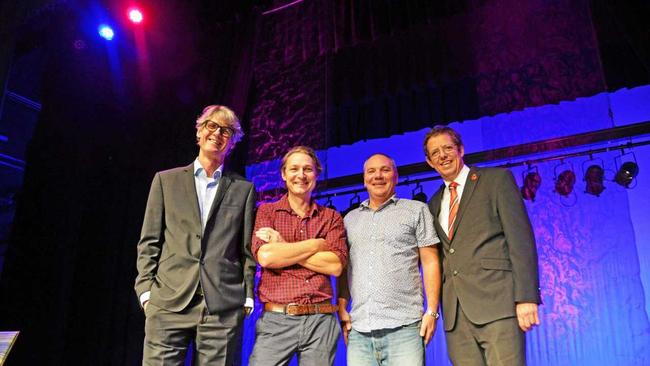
x=447 y=149
x=213 y=126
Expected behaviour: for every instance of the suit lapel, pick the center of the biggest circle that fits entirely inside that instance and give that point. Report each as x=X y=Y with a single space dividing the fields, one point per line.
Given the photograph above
x=190 y=191
x=224 y=184
x=434 y=207
x=468 y=191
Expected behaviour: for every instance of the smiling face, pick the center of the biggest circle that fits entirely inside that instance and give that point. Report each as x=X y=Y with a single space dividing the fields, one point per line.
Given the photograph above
x=214 y=144
x=300 y=174
x=445 y=156
x=379 y=178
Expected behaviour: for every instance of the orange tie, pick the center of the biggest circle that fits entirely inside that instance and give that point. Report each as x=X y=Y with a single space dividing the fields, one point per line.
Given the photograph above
x=453 y=208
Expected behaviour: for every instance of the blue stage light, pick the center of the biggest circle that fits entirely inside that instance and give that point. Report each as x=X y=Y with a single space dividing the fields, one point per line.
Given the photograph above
x=106 y=32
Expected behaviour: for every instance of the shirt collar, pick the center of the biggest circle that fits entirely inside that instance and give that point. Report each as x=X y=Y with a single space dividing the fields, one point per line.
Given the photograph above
x=283 y=205
x=461 y=178
x=198 y=170
x=366 y=203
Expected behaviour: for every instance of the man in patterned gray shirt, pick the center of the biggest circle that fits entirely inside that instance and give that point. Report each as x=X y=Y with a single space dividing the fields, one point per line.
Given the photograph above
x=389 y=238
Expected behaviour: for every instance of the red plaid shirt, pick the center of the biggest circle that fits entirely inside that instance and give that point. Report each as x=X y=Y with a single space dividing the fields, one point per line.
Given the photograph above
x=297 y=284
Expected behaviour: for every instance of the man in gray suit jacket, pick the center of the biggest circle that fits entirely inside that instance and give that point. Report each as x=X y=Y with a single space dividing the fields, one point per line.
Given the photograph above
x=490 y=286
x=195 y=268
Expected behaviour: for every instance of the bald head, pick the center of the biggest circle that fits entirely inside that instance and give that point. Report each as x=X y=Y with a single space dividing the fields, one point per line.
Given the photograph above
x=379 y=178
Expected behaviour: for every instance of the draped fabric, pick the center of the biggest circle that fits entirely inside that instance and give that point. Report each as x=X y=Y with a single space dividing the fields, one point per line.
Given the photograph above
x=332 y=73
x=594 y=304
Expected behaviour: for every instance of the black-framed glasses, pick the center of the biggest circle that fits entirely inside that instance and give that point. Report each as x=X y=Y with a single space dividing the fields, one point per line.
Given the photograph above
x=213 y=126
x=447 y=149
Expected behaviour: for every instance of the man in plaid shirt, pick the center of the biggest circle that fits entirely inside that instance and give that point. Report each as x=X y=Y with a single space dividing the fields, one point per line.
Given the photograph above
x=299 y=245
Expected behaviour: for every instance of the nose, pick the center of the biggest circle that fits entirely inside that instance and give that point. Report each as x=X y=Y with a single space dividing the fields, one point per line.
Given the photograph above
x=441 y=153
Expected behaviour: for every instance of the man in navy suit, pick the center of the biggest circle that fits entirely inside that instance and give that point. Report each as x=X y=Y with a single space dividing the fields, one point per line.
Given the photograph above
x=195 y=268
x=490 y=285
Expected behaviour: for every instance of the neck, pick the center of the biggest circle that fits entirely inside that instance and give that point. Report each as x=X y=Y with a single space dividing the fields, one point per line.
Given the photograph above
x=376 y=202
x=300 y=204
x=210 y=163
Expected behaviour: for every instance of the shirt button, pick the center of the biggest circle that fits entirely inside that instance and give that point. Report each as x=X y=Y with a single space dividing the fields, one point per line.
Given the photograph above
x=455 y=272
x=307 y=281
x=452 y=250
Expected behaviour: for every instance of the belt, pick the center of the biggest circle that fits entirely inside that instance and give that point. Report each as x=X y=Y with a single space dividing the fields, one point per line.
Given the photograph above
x=301 y=309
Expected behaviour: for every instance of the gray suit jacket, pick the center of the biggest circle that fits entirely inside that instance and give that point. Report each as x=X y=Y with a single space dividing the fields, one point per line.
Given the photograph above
x=491 y=262
x=174 y=255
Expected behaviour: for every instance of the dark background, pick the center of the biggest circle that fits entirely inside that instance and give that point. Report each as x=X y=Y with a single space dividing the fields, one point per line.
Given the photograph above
x=103 y=119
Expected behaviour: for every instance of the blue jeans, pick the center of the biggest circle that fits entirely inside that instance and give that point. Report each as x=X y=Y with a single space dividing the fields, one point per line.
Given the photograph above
x=401 y=346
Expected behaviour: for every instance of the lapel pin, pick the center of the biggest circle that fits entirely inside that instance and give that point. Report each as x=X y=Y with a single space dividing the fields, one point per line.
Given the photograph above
x=473 y=177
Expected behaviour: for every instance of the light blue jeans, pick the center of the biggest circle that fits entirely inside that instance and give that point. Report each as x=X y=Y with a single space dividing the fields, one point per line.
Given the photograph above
x=401 y=346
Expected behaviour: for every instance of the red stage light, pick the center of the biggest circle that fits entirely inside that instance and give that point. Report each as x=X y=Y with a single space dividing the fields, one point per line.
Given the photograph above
x=135 y=15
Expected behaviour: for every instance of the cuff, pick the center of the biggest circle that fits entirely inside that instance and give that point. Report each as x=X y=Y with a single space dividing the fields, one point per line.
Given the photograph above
x=144 y=297
x=249 y=303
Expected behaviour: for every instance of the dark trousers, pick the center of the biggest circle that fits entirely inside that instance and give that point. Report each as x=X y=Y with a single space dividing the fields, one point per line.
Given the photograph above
x=278 y=337
x=217 y=337
x=498 y=343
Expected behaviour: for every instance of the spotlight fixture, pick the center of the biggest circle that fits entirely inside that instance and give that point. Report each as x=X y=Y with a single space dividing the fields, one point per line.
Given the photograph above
x=565 y=181
x=594 y=180
x=135 y=15
x=532 y=181
x=106 y=32
x=329 y=203
x=418 y=193
x=355 y=202
x=593 y=175
x=626 y=173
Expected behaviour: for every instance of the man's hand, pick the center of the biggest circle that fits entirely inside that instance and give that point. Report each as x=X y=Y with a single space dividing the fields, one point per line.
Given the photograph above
x=346 y=323
x=428 y=327
x=527 y=315
x=269 y=235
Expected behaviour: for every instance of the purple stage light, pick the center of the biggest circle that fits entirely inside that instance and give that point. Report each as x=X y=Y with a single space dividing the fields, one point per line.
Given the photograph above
x=106 y=32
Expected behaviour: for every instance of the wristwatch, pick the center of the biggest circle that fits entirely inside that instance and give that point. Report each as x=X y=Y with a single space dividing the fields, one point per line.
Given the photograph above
x=434 y=314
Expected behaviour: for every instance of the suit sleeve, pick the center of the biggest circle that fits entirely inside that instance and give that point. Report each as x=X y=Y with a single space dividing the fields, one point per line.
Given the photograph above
x=520 y=239
x=248 y=262
x=151 y=238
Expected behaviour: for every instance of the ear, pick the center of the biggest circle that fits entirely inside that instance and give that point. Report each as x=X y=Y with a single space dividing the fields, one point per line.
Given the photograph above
x=284 y=177
x=461 y=151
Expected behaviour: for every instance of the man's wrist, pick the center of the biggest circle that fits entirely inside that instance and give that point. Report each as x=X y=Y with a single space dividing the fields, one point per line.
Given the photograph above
x=432 y=313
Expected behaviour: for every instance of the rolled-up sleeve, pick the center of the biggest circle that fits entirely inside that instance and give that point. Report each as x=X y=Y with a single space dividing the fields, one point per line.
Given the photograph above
x=263 y=218
x=337 y=239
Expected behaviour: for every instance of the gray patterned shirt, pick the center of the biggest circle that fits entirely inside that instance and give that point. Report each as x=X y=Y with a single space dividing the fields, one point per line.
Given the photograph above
x=383 y=272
